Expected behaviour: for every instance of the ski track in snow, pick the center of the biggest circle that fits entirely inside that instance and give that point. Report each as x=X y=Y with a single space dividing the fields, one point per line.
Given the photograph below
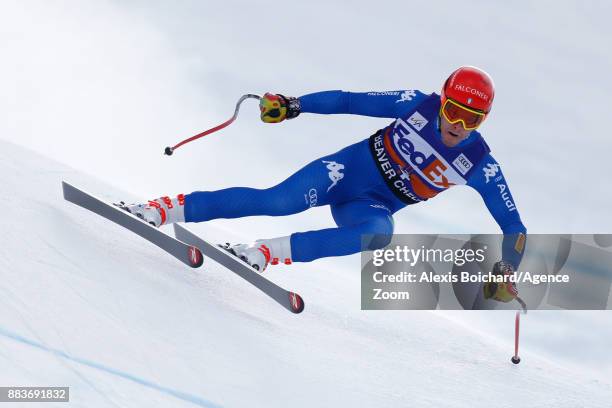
x=62 y=354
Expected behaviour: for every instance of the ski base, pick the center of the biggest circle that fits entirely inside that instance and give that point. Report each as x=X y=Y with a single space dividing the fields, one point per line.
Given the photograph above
x=188 y=254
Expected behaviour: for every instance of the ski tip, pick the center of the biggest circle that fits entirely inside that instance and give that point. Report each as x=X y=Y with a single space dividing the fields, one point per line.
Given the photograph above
x=196 y=259
x=296 y=302
x=66 y=190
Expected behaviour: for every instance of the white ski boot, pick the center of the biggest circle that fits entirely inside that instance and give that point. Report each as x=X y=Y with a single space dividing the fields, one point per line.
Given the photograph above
x=161 y=211
x=263 y=252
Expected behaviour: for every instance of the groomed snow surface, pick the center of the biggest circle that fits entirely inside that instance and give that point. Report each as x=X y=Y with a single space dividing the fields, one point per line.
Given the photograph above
x=86 y=304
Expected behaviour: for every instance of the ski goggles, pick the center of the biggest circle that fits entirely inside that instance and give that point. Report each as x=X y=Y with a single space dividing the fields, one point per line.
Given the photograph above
x=455 y=112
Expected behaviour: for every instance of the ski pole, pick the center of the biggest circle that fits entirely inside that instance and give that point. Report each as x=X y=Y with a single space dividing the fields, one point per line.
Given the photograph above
x=517 y=322
x=515 y=358
x=169 y=150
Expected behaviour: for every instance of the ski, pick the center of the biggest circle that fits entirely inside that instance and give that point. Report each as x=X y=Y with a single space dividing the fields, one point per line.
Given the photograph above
x=189 y=255
x=289 y=300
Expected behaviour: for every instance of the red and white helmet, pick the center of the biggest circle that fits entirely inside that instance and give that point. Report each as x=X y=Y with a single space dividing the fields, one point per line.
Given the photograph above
x=471 y=87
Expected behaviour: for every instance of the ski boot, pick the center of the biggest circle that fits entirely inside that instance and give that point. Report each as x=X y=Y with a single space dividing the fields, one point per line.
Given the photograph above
x=161 y=211
x=262 y=252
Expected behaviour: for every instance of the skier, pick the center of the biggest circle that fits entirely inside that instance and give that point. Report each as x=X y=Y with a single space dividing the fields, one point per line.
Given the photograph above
x=431 y=145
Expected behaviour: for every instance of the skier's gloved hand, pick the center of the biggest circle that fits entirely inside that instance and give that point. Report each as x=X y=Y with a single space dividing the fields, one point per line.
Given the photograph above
x=276 y=107
x=503 y=291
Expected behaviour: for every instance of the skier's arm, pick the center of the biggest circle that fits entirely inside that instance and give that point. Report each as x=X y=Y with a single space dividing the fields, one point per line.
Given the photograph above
x=490 y=183
x=392 y=104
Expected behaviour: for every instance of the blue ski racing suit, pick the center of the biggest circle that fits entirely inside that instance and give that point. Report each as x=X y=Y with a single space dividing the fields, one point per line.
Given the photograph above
x=367 y=182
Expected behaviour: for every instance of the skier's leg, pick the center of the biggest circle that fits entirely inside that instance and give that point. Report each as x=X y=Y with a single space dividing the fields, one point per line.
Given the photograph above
x=235 y=202
x=331 y=179
x=335 y=178
x=354 y=219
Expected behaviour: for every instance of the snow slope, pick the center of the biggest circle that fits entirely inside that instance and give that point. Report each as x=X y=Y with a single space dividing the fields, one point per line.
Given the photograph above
x=104 y=86
x=85 y=304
